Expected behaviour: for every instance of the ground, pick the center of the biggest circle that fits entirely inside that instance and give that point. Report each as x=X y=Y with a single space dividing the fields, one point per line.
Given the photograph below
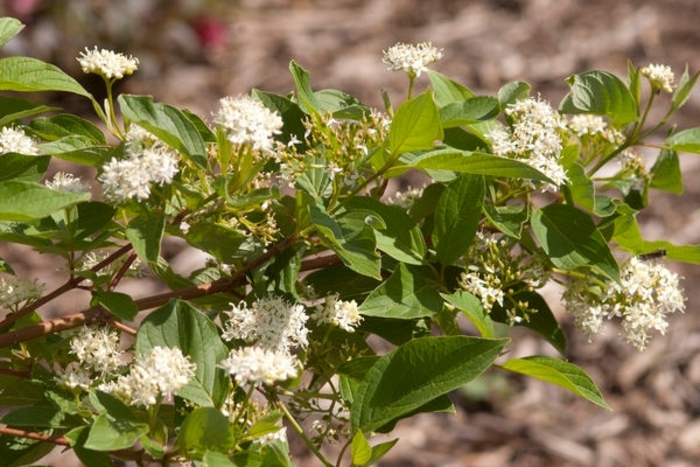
x=655 y=395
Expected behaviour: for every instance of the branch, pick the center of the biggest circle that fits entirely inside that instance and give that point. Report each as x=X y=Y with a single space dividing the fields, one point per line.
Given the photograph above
x=59 y=440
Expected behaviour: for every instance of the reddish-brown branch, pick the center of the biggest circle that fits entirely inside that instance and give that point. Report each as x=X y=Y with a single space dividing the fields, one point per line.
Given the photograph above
x=71 y=284
x=59 y=440
x=78 y=319
x=17 y=373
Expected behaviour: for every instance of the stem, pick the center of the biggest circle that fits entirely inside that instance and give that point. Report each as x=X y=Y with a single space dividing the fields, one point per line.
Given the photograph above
x=71 y=284
x=58 y=440
x=303 y=436
x=95 y=313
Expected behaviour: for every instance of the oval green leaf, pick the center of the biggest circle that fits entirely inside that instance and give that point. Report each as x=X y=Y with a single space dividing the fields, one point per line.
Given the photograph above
x=563 y=374
x=25 y=74
x=601 y=93
x=416 y=125
x=416 y=373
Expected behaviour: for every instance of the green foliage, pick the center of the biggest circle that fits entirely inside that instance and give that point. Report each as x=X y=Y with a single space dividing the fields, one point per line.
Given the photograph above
x=313 y=268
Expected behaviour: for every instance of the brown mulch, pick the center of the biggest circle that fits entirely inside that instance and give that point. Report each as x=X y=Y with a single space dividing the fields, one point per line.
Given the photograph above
x=655 y=395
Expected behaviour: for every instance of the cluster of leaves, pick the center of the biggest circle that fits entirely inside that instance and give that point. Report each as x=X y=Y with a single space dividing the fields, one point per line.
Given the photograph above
x=333 y=232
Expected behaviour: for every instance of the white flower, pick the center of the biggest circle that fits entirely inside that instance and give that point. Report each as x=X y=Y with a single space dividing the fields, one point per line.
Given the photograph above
x=489 y=291
x=534 y=138
x=74 y=377
x=590 y=125
x=412 y=59
x=14 y=291
x=67 y=183
x=160 y=373
x=247 y=120
x=98 y=349
x=271 y=323
x=13 y=139
x=647 y=294
x=132 y=176
x=256 y=365
x=107 y=63
x=405 y=199
x=339 y=313
x=659 y=76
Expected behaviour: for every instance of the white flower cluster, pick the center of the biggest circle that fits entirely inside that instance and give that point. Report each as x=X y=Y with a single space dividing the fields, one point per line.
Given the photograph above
x=633 y=170
x=143 y=166
x=339 y=313
x=68 y=183
x=497 y=270
x=659 y=76
x=405 y=199
x=594 y=126
x=534 y=138
x=13 y=139
x=648 y=293
x=98 y=349
x=14 y=291
x=269 y=322
x=258 y=365
x=106 y=63
x=248 y=121
x=160 y=373
x=273 y=327
x=412 y=59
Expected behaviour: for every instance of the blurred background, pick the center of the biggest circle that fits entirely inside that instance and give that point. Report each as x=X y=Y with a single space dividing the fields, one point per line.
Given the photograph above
x=192 y=52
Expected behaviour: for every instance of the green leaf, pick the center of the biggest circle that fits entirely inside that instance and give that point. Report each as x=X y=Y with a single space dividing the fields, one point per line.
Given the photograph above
x=9 y=28
x=457 y=217
x=410 y=292
x=416 y=125
x=571 y=240
x=358 y=256
x=77 y=438
x=307 y=100
x=360 y=449
x=666 y=173
x=145 y=232
x=509 y=219
x=35 y=416
x=342 y=280
x=563 y=374
x=215 y=459
x=400 y=237
x=416 y=373
x=167 y=123
x=22 y=201
x=177 y=324
x=19 y=167
x=119 y=304
x=512 y=92
x=448 y=91
x=583 y=192
x=340 y=104
x=116 y=427
x=65 y=125
x=20 y=452
x=477 y=163
x=25 y=74
x=206 y=429
x=685 y=141
x=543 y=322
x=602 y=93
x=18 y=391
x=472 y=308
x=471 y=111
x=684 y=89
x=292 y=116
x=222 y=242
x=13 y=109
x=92 y=217
x=380 y=450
